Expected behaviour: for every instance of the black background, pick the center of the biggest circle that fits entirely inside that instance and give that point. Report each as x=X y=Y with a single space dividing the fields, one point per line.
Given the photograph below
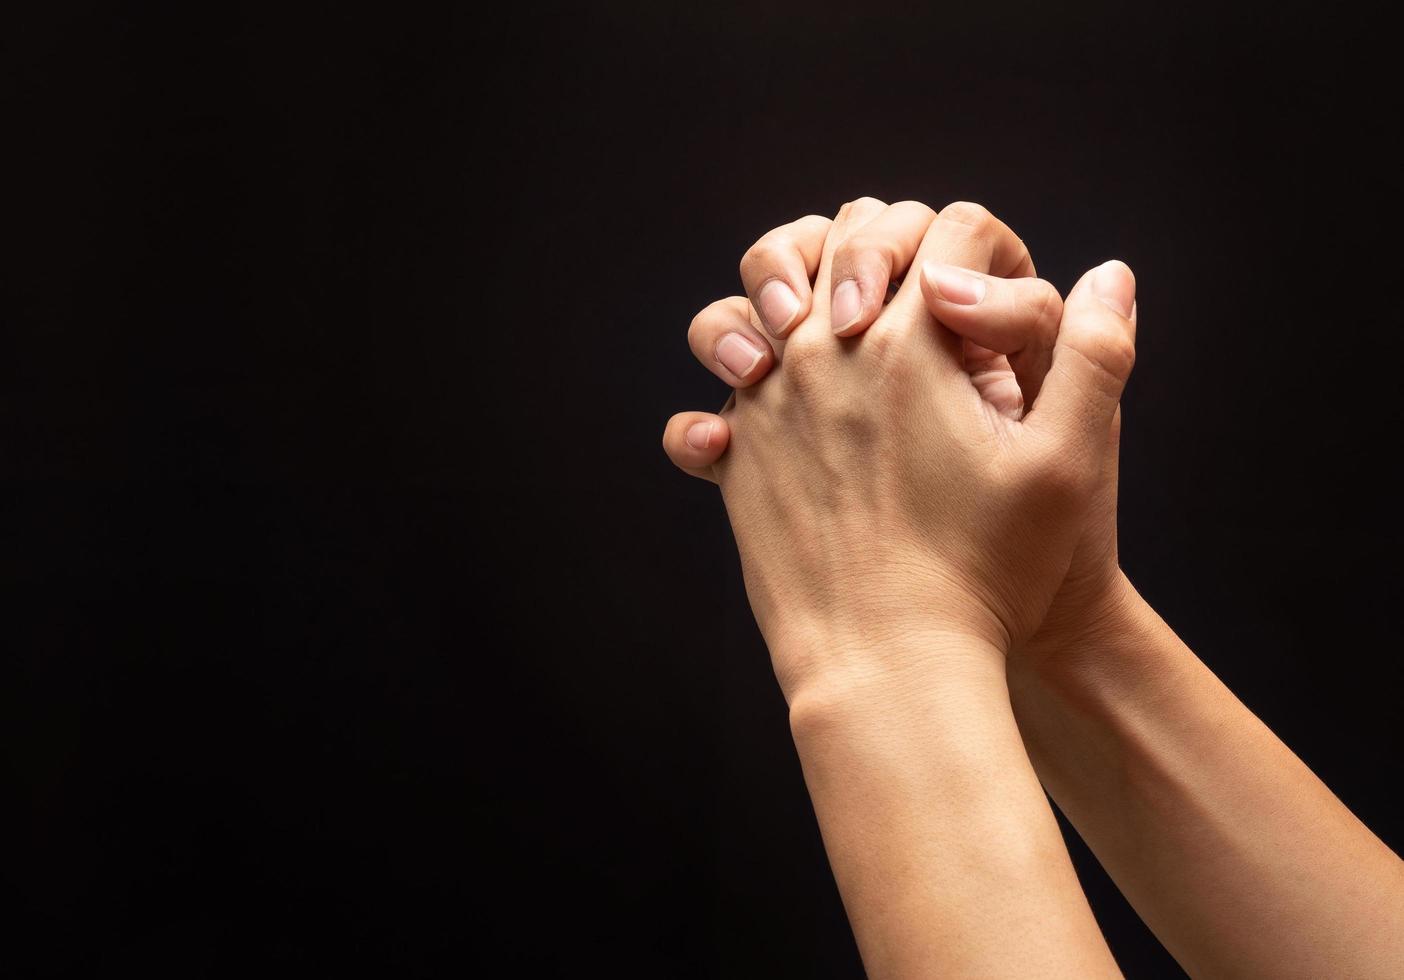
x=354 y=616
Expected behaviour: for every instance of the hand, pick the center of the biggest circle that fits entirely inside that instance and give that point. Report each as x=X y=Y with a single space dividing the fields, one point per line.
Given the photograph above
x=1208 y=823
x=1008 y=332
x=874 y=492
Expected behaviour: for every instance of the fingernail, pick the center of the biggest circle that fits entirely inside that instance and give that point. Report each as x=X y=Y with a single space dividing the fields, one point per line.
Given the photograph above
x=699 y=434
x=952 y=285
x=738 y=355
x=847 y=304
x=778 y=306
x=1113 y=284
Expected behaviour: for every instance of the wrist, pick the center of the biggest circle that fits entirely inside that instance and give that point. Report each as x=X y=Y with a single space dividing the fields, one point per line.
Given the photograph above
x=1108 y=650
x=849 y=684
x=1095 y=622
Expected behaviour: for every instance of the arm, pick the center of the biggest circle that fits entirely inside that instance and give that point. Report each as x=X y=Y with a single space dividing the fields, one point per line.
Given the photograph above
x=942 y=842
x=868 y=476
x=1238 y=858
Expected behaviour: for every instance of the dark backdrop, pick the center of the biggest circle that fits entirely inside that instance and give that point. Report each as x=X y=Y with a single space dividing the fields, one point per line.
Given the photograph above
x=355 y=617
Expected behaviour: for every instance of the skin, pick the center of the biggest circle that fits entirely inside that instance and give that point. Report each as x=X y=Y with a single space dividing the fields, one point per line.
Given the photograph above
x=869 y=458
x=1234 y=853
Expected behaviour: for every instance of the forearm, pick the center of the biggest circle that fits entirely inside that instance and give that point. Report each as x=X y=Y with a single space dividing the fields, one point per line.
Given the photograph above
x=1234 y=853
x=941 y=839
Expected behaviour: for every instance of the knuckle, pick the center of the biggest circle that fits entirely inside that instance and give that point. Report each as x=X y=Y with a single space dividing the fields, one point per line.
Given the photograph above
x=702 y=325
x=817 y=220
x=857 y=205
x=863 y=252
x=762 y=257
x=881 y=346
x=850 y=245
x=1048 y=308
x=974 y=216
x=1023 y=257
x=1113 y=352
x=806 y=362
x=917 y=207
x=803 y=353
x=891 y=367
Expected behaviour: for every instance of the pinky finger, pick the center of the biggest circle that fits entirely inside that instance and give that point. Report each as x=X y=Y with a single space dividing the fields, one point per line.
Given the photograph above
x=696 y=440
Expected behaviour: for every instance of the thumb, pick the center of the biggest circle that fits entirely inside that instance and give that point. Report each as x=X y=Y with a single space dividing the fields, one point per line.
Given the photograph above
x=1092 y=358
x=696 y=440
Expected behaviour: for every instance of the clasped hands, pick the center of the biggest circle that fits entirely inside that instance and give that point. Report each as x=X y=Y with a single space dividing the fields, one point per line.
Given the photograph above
x=941 y=465
x=923 y=493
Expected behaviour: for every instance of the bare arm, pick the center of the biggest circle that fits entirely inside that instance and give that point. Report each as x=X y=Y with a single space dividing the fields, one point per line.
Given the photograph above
x=943 y=844
x=1236 y=855
x=898 y=532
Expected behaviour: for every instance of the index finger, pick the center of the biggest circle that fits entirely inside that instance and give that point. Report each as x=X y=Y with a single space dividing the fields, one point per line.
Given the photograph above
x=777 y=270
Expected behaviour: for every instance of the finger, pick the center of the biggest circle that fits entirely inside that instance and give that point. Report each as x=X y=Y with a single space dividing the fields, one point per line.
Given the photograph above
x=994 y=379
x=851 y=217
x=696 y=440
x=728 y=344
x=776 y=272
x=1092 y=359
x=1005 y=315
x=966 y=236
x=970 y=237
x=1016 y=317
x=872 y=257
